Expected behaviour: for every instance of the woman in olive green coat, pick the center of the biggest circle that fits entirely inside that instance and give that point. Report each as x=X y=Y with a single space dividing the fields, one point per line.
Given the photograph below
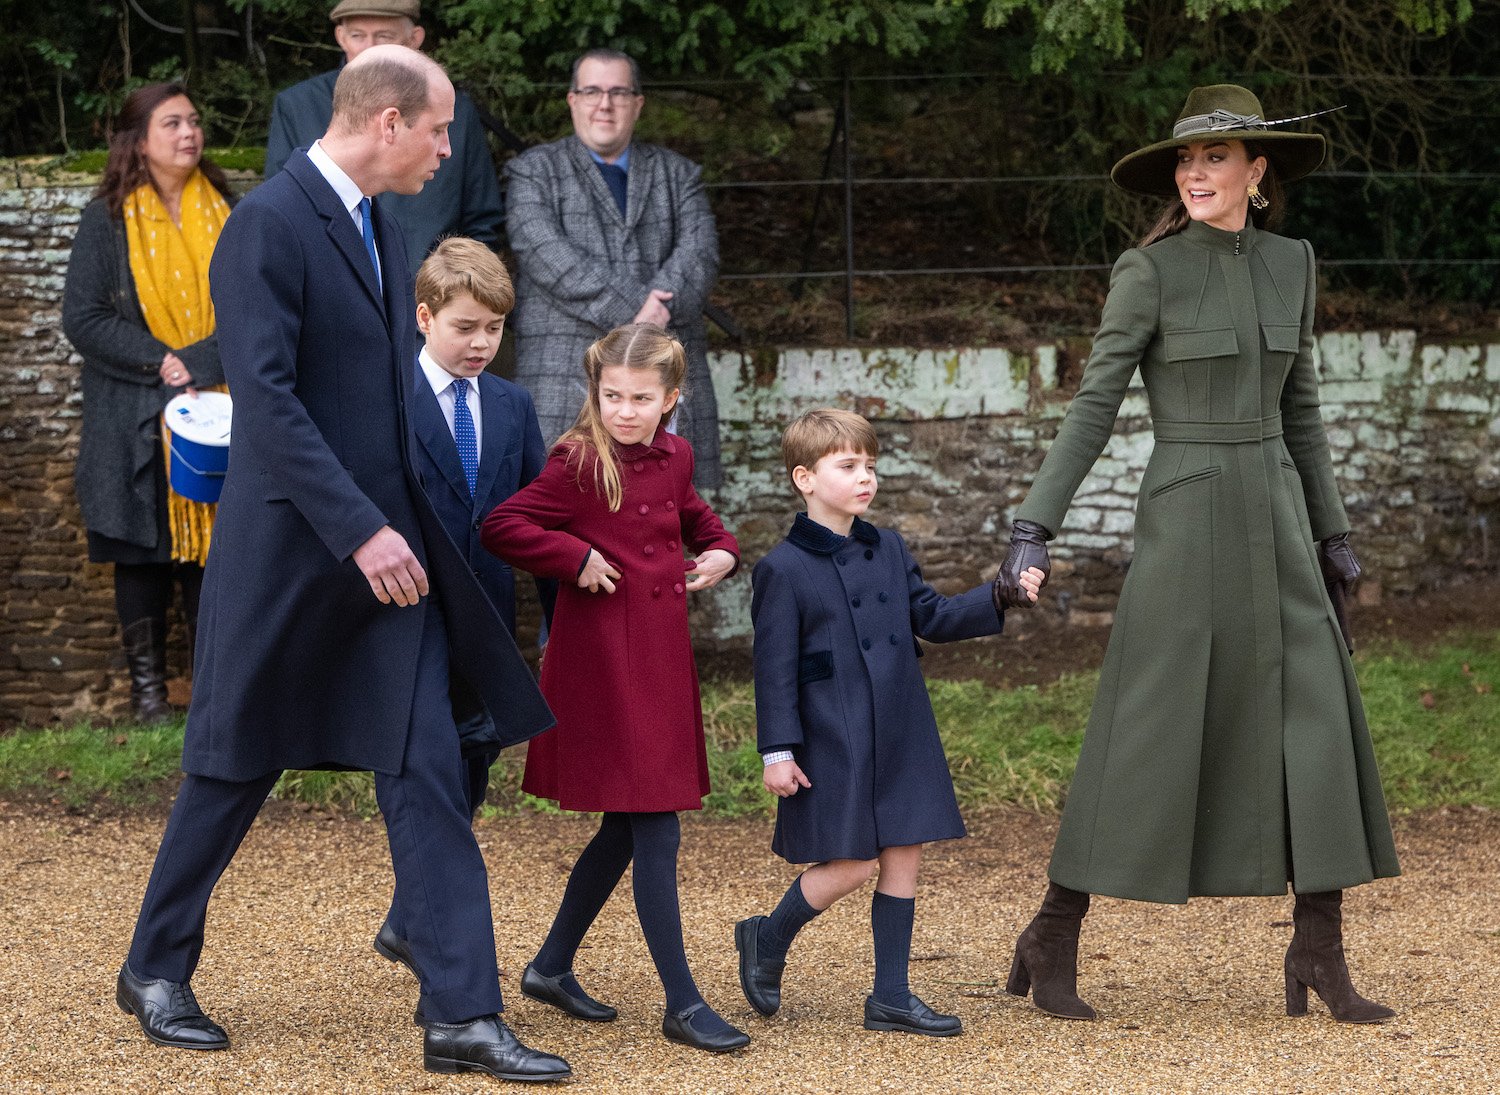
x=1227 y=752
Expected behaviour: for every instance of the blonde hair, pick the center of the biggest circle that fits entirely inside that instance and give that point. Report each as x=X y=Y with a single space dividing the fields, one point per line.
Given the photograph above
x=461 y=265
x=817 y=433
x=636 y=346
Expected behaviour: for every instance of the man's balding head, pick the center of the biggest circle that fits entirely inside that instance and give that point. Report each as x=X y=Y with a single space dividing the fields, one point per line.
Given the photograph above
x=378 y=79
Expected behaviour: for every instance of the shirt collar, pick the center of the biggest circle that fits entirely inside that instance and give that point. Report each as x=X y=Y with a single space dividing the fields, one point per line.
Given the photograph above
x=623 y=163
x=822 y=540
x=440 y=379
x=345 y=187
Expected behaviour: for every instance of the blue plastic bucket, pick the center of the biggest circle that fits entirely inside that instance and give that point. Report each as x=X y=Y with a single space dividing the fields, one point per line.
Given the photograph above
x=199 y=444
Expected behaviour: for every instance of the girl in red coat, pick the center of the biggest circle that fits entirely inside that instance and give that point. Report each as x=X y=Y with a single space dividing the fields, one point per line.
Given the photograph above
x=609 y=517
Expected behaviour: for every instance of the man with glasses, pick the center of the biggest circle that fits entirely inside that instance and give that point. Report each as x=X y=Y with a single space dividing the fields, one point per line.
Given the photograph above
x=608 y=231
x=463 y=199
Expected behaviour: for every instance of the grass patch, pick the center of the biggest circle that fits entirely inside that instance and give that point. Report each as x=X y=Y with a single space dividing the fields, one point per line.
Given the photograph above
x=1434 y=714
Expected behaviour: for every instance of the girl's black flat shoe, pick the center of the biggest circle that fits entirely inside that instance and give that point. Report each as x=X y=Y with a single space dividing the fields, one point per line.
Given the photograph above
x=549 y=990
x=678 y=1027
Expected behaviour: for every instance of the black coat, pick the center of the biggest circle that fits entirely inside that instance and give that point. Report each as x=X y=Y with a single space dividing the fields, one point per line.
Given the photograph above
x=837 y=682
x=298 y=665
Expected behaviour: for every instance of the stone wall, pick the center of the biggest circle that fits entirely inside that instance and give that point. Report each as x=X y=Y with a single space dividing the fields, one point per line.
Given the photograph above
x=1414 y=426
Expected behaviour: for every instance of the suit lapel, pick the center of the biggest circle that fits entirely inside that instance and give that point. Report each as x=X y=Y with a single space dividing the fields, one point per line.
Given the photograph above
x=340 y=225
x=637 y=183
x=494 y=411
x=431 y=429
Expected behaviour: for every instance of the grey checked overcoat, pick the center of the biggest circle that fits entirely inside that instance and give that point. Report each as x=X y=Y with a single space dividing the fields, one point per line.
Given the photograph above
x=837 y=682
x=1227 y=752
x=582 y=270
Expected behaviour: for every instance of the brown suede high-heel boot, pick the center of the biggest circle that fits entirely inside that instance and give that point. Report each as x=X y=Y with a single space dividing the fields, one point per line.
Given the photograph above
x=1316 y=959
x=1046 y=960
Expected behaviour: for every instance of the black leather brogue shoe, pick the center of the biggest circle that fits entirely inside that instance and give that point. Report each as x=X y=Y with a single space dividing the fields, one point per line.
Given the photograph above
x=915 y=1018
x=678 y=1027
x=395 y=949
x=550 y=990
x=487 y=1045
x=168 y=1012
x=759 y=978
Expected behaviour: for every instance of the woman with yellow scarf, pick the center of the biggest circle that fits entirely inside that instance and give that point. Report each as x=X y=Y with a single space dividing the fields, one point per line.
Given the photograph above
x=136 y=308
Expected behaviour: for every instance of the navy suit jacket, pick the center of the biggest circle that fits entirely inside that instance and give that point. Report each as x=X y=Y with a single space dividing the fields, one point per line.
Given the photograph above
x=512 y=456
x=298 y=665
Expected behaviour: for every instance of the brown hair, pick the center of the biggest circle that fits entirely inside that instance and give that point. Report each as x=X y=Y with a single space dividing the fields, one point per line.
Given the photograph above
x=817 y=433
x=375 y=82
x=126 y=170
x=636 y=346
x=1174 y=217
x=461 y=265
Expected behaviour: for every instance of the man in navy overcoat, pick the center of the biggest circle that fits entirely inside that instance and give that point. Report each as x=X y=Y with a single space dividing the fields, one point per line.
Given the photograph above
x=331 y=590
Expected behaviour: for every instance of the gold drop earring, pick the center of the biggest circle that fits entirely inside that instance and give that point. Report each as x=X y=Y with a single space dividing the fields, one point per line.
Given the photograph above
x=1257 y=199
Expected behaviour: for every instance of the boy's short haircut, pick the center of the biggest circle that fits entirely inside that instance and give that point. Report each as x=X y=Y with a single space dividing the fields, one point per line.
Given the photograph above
x=815 y=434
x=461 y=265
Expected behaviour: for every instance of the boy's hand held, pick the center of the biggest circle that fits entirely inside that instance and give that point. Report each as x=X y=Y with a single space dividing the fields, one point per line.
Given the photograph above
x=1028 y=551
x=597 y=573
x=784 y=777
x=391 y=569
x=709 y=569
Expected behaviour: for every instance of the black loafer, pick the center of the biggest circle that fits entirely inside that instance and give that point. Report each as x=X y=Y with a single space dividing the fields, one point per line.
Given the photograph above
x=392 y=947
x=760 y=979
x=549 y=990
x=915 y=1018
x=487 y=1045
x=678 y=1027
x=168 y=1012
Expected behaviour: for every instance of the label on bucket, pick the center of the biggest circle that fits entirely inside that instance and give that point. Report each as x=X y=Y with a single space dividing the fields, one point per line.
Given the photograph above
x=203 y=420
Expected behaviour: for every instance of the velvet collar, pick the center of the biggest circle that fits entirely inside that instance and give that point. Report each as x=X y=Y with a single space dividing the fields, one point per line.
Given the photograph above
x=808 y=535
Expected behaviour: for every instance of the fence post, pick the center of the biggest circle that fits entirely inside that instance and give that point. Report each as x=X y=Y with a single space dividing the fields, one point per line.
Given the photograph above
x=848 y=211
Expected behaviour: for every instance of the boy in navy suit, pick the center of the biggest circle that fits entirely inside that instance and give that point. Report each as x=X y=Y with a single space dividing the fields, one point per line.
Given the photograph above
x=478 y=443
x=844 y=723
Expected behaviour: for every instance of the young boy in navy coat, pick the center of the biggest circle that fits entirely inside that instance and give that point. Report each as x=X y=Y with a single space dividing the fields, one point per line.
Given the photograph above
x=473 y=453
x=845 y=727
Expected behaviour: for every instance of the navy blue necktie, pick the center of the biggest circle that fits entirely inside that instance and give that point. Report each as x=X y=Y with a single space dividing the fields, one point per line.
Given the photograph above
x=464 y=436
x=367 y=217
x=616 y=179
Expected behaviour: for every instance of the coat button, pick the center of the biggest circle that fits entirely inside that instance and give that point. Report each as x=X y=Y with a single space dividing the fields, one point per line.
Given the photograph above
x=893 y=640
x=883 y=598
x=677 y=588
x=648 y=550
x=855 y=602
x=656 y=591
x=671 y=545
x=842 y=560
x=869 y=554
x=644 y=509
x=477 y=522
x=865 y=643
x=640 y=465
x=671 y=505
x=662 y=464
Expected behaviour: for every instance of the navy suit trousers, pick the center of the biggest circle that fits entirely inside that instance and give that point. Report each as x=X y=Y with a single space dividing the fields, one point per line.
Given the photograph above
x=438 y=866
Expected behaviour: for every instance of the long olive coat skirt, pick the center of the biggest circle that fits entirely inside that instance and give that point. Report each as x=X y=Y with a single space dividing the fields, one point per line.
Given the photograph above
x=1227 y=751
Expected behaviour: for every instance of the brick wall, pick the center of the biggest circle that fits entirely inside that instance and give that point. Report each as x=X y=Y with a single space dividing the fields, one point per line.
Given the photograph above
x=1415 y=429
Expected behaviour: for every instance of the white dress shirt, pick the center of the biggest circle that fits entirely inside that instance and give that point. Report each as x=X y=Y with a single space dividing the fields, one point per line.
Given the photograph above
x=442 y=387
x=347 y=190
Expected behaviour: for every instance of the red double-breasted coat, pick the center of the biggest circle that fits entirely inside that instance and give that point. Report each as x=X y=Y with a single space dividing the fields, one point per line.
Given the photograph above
x=619 y=670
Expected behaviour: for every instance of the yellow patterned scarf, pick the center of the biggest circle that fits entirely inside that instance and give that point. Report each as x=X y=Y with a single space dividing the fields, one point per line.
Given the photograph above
x=170 y=267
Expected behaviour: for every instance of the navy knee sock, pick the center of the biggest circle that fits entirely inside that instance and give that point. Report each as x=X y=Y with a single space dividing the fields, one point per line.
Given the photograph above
x=593 y=879
x=788 y=918
x=891 y=920
x=654 y=876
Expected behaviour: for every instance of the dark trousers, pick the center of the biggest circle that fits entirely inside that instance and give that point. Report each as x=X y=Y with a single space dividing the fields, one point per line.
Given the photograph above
x=439 y=870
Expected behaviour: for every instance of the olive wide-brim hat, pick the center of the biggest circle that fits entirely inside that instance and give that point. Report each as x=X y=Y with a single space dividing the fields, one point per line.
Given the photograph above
x=1219 y=112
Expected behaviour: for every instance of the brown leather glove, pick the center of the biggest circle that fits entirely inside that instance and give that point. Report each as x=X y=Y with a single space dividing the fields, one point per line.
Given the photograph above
x=1341 y=571
x=1028 y=548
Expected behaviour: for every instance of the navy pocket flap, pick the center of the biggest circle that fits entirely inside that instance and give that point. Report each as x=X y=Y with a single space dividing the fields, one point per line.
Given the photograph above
x=817 y=666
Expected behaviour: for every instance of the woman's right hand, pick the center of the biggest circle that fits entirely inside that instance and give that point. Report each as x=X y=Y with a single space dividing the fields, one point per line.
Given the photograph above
x=1028 y=548
x=597 y=572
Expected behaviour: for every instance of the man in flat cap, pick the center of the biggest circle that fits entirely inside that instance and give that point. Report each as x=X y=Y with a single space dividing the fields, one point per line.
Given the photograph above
x=464 y=198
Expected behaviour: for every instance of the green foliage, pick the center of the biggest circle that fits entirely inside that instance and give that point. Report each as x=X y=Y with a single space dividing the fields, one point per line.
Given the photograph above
x=76 y=764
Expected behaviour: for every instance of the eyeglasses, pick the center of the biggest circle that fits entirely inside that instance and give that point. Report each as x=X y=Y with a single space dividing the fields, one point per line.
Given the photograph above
x=618 y=96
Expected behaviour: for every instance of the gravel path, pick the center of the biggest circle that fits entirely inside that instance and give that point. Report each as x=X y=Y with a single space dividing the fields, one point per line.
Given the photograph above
x=1189 y=997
